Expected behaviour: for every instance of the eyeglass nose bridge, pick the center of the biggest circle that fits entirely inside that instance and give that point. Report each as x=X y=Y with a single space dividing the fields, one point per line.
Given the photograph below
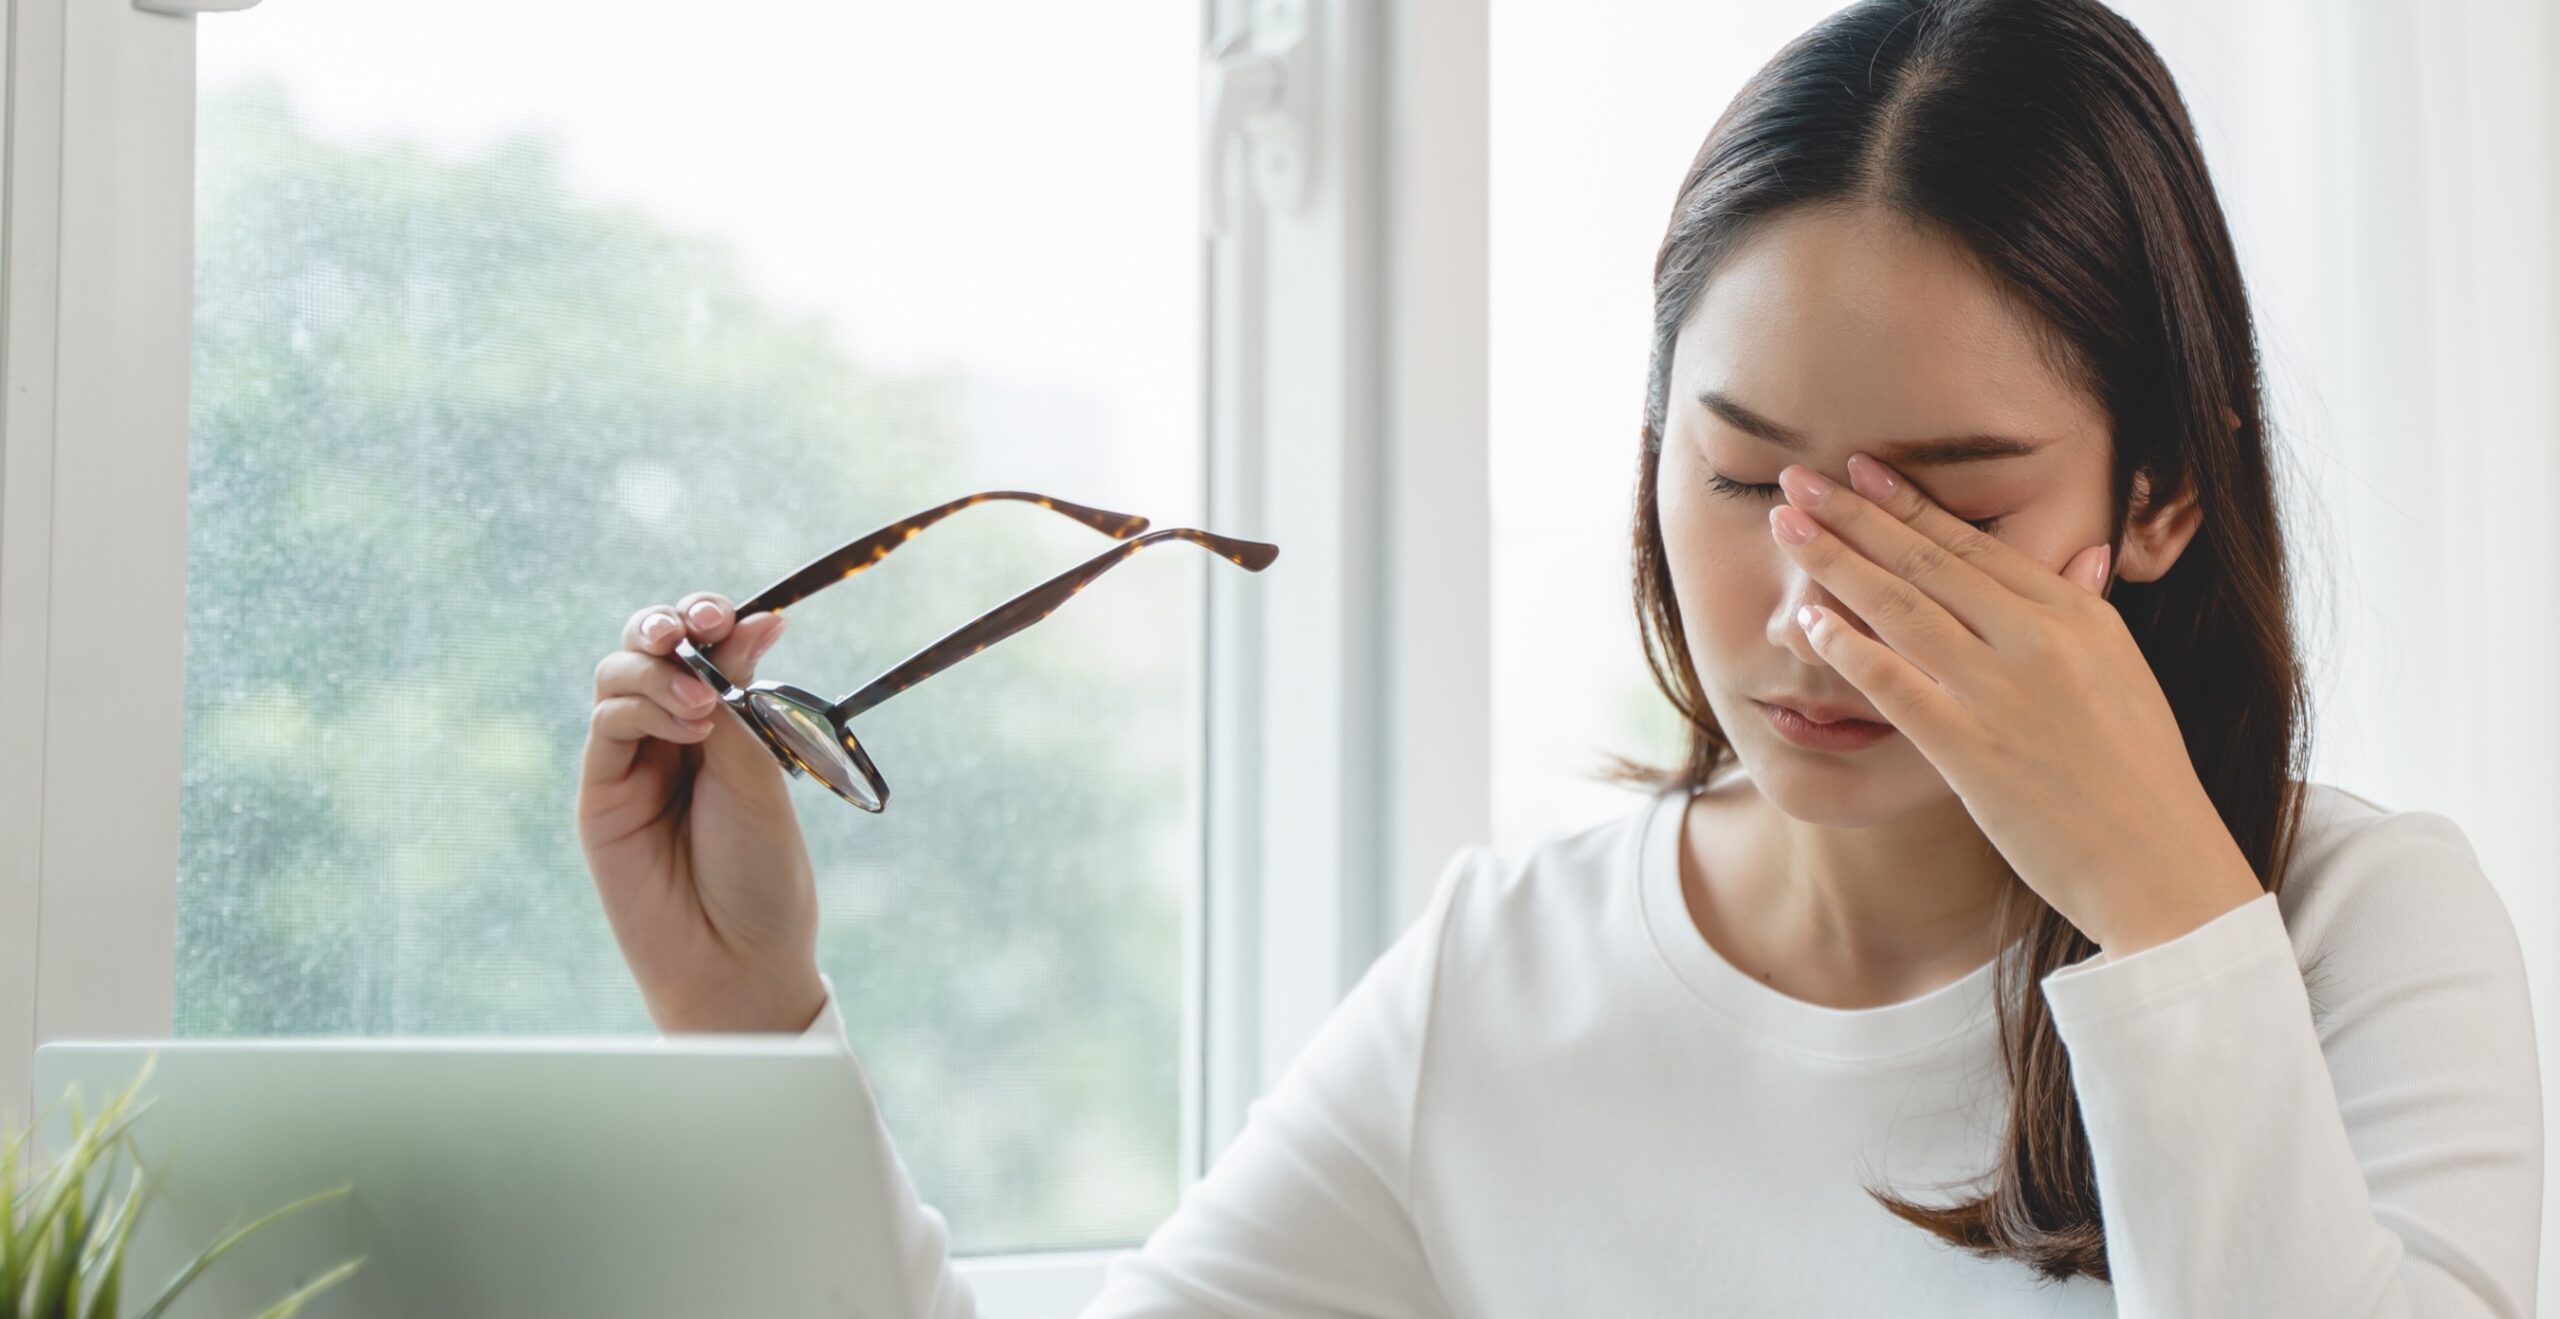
x=739 y=701
x=735 y=698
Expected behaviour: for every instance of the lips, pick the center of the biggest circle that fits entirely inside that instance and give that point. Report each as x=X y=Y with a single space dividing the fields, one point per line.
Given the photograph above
x=1822 y=712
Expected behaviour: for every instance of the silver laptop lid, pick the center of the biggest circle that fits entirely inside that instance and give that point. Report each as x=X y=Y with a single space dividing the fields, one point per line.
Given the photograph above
x=697 y=1176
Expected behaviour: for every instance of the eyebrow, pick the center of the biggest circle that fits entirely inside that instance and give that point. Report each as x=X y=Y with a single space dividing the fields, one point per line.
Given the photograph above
x=1944 y=451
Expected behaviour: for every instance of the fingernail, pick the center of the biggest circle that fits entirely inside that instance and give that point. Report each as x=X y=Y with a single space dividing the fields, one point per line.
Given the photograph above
x=1869 y=477
x=692 y=690
x=1792 y=524
x=658 y=628
x=704 y=614
x=1808 y=487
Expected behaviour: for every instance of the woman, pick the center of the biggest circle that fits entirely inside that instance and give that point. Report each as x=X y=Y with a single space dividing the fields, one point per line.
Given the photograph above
x=1986 y=954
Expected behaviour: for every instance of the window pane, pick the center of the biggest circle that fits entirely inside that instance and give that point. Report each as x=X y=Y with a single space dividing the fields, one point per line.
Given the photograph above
x=510 y=321
x=1596 y=112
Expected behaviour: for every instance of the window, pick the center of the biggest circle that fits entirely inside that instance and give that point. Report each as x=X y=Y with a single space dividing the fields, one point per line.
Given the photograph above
x=365 y=371
x=498 y=340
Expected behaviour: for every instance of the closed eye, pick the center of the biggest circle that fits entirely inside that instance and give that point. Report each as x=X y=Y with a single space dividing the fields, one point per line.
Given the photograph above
x=1746 y=490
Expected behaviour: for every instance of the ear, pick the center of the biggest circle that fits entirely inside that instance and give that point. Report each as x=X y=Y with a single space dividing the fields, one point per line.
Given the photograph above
x=2156 y=534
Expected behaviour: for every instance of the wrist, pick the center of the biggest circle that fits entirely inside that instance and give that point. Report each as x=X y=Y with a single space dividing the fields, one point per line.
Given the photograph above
x=785 y=1006
x=2165 y=913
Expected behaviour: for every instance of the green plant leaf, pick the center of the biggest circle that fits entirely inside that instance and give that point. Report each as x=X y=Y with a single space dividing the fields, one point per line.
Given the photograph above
x=69 y=1174
x=55 y=1281
x=12 y=1267
x=51 y=1193
x=37 y=1238
x=49 y=1245
x=292 y=1305
x=18 y=1139
x=66 y=1238
x=99 y=1220
x=105 y=1267
x=222 y=1247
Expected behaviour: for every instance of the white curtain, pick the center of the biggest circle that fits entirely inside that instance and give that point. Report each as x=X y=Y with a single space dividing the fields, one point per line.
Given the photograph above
x=2392 y=169
x=2438 y=348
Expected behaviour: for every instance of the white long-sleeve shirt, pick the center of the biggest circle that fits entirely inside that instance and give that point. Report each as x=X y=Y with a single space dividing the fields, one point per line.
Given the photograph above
x=1551 y=1096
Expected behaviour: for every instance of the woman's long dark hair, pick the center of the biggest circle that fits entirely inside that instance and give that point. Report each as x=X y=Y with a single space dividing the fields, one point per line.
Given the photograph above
x=2047 y=138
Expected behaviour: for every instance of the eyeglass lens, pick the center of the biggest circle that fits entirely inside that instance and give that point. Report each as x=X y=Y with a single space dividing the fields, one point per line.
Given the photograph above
x=813 y=740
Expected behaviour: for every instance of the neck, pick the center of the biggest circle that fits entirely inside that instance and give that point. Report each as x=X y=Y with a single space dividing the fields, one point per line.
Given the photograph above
x=1849 y=917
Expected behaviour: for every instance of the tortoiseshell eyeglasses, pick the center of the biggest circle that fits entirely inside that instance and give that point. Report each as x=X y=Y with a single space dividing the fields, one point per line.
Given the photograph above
x=810 y=735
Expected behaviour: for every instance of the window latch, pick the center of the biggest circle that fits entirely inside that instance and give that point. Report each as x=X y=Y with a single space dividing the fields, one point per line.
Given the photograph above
x=1258 y=92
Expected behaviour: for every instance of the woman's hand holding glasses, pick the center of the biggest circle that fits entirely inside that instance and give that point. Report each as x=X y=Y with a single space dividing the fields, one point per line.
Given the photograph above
x=683 y=807
x=688 y=829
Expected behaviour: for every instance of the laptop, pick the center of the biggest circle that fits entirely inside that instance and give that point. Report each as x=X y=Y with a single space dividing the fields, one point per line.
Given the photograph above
x=693 y=1176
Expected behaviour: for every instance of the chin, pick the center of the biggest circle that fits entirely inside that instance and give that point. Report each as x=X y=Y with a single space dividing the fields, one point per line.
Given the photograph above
x=1838 y=791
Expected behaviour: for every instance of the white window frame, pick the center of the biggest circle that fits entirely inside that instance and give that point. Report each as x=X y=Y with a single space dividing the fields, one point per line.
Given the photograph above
x=1347 y=399
x=94 y=348
x=1348 y=687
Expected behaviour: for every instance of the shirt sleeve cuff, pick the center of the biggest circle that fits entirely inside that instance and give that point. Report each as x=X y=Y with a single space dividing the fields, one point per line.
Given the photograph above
x=2096 y=987
x=829 y=1027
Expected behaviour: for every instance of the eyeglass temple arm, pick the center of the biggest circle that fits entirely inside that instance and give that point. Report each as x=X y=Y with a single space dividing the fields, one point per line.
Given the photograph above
x=825 y=571
x=1033 y=605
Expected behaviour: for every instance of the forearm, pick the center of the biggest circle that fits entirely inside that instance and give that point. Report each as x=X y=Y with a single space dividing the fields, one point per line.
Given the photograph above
x=2222 y=1141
